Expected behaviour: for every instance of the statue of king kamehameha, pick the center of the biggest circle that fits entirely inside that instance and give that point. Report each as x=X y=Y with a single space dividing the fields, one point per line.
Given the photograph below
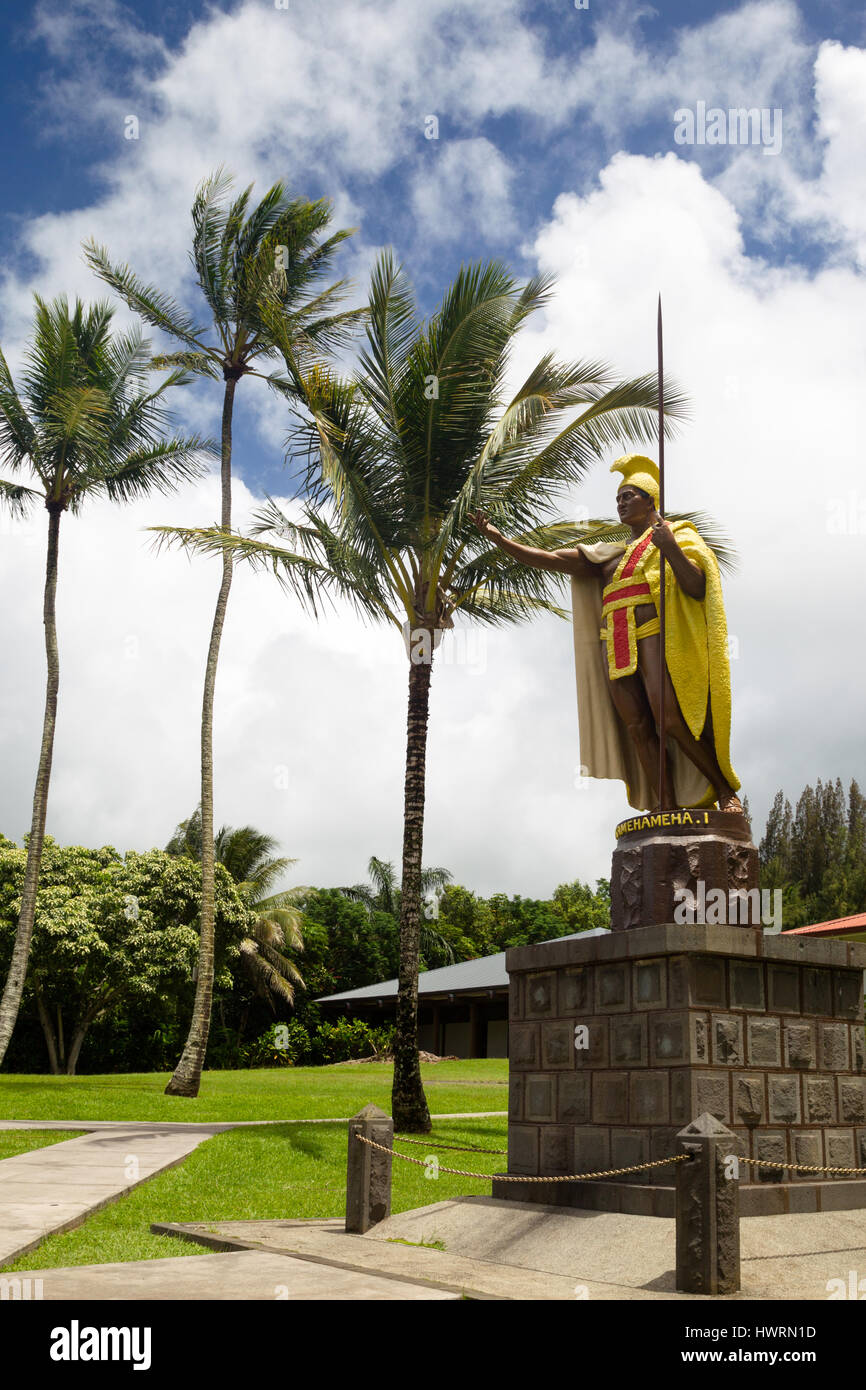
x=615 y=600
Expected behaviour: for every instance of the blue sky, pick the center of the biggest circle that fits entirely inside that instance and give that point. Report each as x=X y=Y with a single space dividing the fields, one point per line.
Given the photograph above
x=556 y=152
x=62 y=145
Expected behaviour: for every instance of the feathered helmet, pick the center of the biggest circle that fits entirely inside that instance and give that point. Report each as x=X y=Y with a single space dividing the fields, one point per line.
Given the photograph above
x=638 y=471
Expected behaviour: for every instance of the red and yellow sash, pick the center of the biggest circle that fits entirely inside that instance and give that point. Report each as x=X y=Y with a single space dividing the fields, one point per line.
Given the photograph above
x=619 y=599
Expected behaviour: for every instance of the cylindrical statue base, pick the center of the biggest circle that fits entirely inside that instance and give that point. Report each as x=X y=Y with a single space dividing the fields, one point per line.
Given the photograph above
x=685 y=865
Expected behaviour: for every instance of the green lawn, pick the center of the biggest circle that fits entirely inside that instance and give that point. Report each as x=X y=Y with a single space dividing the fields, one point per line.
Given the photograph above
x=21 y=1141
x=277 y=1172
x=290 y=1093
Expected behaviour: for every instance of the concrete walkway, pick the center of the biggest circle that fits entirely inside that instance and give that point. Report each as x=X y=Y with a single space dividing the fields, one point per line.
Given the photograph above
x=218 y=1125
x=54 y=1189
x=515 y=1250
x=245 y=1274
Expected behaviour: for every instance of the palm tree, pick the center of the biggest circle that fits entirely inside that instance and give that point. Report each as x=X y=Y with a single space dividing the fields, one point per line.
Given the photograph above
x=83 y=425
x=382 y=894
x=404 y=454
x=248 y=854
x=258 y=271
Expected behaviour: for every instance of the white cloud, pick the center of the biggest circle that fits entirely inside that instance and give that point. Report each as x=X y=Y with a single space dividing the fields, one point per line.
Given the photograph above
x=840 y=94
x=463 y=187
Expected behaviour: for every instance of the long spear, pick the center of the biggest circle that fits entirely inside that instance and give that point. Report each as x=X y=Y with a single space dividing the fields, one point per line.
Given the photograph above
x=661 y=508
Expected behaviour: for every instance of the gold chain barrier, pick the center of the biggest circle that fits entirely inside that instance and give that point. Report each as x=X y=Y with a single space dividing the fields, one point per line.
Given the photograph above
x=609 y=1173
x=509 y=1177
x=800 y=1167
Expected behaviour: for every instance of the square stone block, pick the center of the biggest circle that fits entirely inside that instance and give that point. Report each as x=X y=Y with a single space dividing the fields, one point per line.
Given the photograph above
x=557 y=1045
x=848 y=993
x=612 y=987
x=628 y=1041
x=711 y=1092
x=808 y=1147
x=699 y=1025
x=707 y=981
x=770 y=1146
x=523 y=1045
x=591 y=1149
x=694 y=1092
x=523 y=1149
x=539 y=1097
x=817 y=991
x=515 y=1096
x=610 y=1098
x=861 y=1148
x=650 y=984
x=852 y=1099
x=649 y=1102
x=575 y=991
x=783 y=988
x=540 y=999
x=784 y=1099
x=858 y=1046
x=833 y=1047
x=669 y=1034
x=750 y=1105
x=765 y=1042
x=515 y=996
x=726 y=1031
x=799 y=1045
x=573 y=1098
x=819 y=1100
x=839 y=1148
x=678 y=982
x=557 y=1142
x=590 y=1042
x=747 y=984
x=628 y=1147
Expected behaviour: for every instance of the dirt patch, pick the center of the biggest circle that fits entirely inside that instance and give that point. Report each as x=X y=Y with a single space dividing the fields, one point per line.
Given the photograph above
x=387 y=1059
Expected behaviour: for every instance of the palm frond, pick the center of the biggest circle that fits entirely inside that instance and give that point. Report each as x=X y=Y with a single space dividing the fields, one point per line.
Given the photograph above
x=18 y=499
x=160 y=467
x=18 y=437
x=147 y=301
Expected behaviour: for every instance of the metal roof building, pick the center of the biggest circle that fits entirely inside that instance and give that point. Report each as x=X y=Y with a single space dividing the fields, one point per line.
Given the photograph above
x=463 y=1008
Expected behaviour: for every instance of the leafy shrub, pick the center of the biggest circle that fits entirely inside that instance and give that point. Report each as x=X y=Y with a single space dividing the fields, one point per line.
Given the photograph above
x=292 y=1045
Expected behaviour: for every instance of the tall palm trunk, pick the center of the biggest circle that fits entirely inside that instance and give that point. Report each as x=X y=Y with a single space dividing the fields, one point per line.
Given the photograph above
x=14 y=987
x=408 y=1102
x=186 y=1078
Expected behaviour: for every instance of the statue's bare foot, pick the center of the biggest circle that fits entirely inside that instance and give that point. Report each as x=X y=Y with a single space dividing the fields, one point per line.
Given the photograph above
x=729 y=801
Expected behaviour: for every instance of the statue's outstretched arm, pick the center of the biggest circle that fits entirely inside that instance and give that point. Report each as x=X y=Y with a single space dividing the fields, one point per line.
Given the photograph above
x=562 y=561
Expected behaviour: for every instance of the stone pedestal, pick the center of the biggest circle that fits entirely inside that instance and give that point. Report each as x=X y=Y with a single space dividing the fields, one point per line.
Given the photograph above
x=617 y=1042
x=685 y=865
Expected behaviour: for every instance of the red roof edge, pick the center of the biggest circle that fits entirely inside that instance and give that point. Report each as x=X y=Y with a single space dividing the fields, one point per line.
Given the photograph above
x=838 y=927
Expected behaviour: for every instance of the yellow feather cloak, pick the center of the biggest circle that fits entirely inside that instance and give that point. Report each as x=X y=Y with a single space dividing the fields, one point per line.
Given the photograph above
x=697 y=659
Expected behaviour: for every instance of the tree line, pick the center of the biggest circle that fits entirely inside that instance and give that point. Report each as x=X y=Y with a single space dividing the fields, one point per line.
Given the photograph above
x=115 y=946
x=815 y=853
